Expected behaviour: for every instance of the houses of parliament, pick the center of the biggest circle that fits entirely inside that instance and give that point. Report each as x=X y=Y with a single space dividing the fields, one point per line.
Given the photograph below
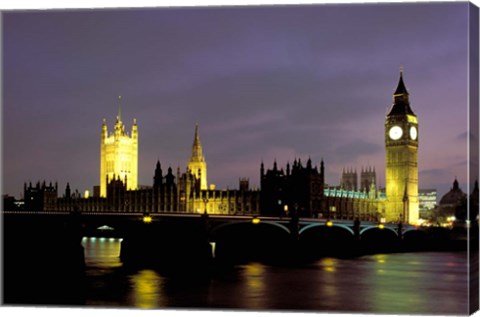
x=296 y=188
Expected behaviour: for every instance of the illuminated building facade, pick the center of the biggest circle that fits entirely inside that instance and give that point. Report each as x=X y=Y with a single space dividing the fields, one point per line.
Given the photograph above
x=401 y=144
x=118 y=155
x=427 y=199
x=195 y=196
x=368 y=176
x=179 y=192
x=169 y=193
x=368 y=205
x=241 y=201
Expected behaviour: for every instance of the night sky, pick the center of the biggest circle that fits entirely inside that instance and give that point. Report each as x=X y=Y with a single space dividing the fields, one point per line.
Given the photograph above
x=263 y=83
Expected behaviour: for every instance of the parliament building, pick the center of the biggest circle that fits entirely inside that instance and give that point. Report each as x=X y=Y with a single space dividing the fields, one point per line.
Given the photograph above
x=298 y=188
x=170 y=191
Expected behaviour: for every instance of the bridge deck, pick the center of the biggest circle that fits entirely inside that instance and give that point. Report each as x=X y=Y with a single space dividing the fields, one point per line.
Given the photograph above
x=212 y=217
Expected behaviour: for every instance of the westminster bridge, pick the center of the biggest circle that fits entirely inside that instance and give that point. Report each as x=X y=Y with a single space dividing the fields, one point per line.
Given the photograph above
x=186 y=237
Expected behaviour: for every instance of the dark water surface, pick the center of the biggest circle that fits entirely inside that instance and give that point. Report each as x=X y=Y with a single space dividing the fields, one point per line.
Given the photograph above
x=413 y=283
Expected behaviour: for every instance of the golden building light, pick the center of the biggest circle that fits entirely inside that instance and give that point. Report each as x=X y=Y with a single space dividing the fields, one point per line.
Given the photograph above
x=118 y=155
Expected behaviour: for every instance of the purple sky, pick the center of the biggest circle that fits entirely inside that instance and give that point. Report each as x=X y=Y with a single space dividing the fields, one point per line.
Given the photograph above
x=263 y=83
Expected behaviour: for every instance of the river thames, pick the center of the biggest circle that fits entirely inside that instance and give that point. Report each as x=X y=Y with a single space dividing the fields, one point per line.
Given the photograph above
x=404 y=283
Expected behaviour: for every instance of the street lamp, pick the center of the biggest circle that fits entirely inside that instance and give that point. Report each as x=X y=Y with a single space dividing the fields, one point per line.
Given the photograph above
x=147 y=218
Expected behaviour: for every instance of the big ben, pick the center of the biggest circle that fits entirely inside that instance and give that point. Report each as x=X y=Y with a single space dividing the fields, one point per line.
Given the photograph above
x=401 y=145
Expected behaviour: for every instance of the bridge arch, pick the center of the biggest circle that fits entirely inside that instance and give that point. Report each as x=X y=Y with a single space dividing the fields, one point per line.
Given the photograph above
x=415 y=240
x=379 y=239
x=378 y=228
x=410 y=229
x=313 y=225
x=320 y=239
x=223 y=225
x=245 y=241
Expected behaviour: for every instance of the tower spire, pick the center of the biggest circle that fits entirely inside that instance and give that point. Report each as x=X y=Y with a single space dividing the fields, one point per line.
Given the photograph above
x=401 y=89
x=197 y=136
x=119 y=115
x=197 y=152
x=197 y=165
x=401 y=103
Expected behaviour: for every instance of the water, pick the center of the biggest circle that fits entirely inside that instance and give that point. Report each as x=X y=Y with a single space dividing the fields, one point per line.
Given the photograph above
x=413 y=283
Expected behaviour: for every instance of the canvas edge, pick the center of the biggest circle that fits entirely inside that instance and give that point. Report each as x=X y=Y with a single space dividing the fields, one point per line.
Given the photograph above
x=473 y=149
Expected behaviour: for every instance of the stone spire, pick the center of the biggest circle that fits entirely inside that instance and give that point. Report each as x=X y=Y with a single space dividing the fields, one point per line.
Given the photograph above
x=197 y=152
x=158 y=177
x=119 y=114
x=197 y=165
x=401 y=89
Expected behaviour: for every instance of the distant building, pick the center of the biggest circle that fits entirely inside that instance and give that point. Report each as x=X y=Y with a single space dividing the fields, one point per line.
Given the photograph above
x=450 y=201
x=349 y=179
x=10 y=203
x=368 y=176
x=427 y=201
x=118 y=156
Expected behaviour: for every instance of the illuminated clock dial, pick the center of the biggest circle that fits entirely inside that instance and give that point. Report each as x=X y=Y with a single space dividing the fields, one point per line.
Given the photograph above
x=395 y=132
x=413 y=133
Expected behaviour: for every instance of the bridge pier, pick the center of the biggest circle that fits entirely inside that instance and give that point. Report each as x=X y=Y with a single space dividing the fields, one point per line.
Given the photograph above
x=356 y=229
x=43 y=261
x=167 y=244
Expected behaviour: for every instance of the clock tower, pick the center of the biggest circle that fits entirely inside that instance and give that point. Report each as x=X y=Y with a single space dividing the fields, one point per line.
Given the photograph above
x=401 y=145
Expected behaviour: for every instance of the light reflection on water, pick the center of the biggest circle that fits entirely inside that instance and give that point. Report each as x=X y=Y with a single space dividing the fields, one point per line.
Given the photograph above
x=253 y=276
x=102 y=252
x=415 y=283
x=146 y=289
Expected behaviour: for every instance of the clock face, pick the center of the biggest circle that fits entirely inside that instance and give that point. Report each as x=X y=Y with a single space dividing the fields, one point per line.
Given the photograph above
x=413 y=133
x=395 y=132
